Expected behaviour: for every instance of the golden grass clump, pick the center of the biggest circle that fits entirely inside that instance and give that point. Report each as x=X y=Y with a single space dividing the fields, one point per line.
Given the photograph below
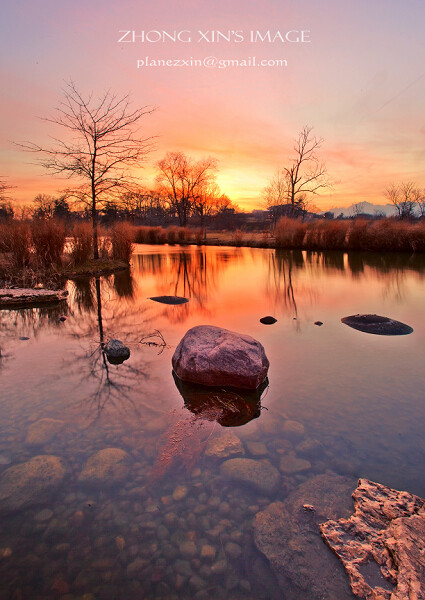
x=15 y=239
x=48 y=240
x=81 y=243
x=289 y=233
x=122 y=236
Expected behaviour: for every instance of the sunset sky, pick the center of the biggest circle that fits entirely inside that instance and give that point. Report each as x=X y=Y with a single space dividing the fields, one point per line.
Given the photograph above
x=359 y=81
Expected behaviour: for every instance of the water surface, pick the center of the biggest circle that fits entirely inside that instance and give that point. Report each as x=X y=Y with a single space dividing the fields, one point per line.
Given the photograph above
x=358 y=397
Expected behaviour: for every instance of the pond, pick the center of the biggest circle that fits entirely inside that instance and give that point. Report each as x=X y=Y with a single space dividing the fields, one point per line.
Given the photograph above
x=166 y=521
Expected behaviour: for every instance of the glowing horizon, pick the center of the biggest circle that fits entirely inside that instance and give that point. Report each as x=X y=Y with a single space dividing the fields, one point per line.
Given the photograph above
x=359 y=81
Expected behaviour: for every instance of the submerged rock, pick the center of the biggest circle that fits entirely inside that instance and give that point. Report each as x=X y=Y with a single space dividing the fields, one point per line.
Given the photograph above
x=29 y=483
x=213 y=356
x=377 y=325
x=382 y=545
x=289 y=464
x=257 y=474
x=43 y=431
x=169 y=299
x=224 y=445
x=289 y=536
x=268 y=320
x=116 y=352
x=106 y=467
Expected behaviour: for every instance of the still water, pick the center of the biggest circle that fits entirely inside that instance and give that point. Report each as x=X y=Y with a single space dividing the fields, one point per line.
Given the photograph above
x=166 y=522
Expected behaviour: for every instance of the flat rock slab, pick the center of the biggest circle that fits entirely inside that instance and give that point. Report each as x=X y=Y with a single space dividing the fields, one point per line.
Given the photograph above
x=21 y=297
x=260 y=475
x=169 y=299
x=377 y=325
x=213 y=356
x=29 y=483
x=288 y=534
x=382 y=545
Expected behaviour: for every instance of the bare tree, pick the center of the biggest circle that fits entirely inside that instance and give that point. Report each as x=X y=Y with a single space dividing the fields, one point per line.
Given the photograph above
x=306 y=176
x=404 y=197
x=43 y=206
x=100 y=147
x=6 y=209
x=182 y=180
x=421 y=202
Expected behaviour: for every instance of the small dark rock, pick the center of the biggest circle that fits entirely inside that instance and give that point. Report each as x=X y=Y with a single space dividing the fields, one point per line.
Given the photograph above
x=319 y=323
x=116 y=352
x=268 y=320
x=377 y=325
x=169 y=299
x=23 y=338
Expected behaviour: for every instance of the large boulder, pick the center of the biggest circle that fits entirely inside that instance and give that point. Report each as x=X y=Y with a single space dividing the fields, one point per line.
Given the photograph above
x=214 y=356
x=107 y=467
x=258 y=474
x=382 y=545
x=30 y=483
x=288 y=534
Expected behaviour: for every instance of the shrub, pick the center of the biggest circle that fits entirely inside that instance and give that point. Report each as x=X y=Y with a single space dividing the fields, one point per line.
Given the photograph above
x=122 y=242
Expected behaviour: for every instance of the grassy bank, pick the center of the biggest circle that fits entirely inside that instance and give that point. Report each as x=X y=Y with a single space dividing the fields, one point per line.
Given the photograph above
x=44 y=253
x=384 y=235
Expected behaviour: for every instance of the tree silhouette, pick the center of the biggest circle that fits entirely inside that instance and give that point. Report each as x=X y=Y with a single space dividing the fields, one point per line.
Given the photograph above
x=98 y=146
x=306 y=176
x=183 y=182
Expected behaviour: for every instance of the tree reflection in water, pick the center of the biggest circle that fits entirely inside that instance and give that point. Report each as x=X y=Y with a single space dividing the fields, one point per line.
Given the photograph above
x=282 y=286
x=114 y=385
x=191 y=273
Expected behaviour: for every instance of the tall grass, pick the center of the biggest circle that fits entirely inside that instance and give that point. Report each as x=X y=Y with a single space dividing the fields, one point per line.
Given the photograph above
x=289 y=233
x=122 y=236
x=327 y=235
x=15 y=238
x=159 y=235
x=48 y=241
x=359 y=234
x=81 y=243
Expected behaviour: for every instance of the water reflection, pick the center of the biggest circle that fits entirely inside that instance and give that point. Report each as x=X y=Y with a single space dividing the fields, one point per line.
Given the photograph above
x=191 y=273
x=229 y=407
x=283 y=283
x=113 y=383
